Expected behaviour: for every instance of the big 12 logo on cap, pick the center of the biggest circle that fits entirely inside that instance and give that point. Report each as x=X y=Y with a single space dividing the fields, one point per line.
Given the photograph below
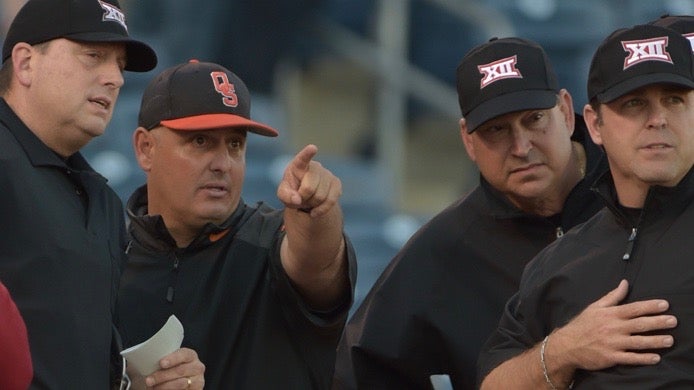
x=653 y=49
x=690 y=36
x=113 y=14
x=500 y=69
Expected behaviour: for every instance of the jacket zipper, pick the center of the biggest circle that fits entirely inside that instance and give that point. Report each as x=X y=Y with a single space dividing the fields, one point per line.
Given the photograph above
x=170 y=292
x=628 y=252
x=630 y=244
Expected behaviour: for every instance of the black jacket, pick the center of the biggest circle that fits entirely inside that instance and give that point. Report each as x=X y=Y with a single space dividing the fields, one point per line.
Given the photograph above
x=228 y=288
x=62 y=240
x=590 y=261
x=442 y=294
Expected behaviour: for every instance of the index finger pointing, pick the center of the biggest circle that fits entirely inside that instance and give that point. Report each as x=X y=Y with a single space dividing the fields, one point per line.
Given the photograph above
x=304 y=157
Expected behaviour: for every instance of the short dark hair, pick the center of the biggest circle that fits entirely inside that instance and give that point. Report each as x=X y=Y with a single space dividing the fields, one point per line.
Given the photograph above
x=597 y=107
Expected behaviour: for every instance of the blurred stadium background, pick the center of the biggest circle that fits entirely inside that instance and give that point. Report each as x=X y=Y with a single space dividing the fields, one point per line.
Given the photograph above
x=371 y=82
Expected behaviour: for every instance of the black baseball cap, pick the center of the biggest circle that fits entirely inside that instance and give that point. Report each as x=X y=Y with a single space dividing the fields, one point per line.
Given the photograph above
x=683 y=24
x=199 y=96
x=631 y=58
x=504 y=75
x=78 y=20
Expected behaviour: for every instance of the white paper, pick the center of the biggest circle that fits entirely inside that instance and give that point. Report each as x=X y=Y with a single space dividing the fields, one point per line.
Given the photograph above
x=144 y=357
x=441 y=382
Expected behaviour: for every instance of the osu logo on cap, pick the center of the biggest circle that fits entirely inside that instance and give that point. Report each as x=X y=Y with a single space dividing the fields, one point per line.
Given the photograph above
x=225 y=88
x=500 y=69
x=646 y=50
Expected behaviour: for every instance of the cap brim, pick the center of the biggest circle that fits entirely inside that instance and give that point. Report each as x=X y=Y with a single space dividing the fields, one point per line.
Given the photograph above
x=141 y=57
x=637 y=82
x=511 y=102
x=217 y=121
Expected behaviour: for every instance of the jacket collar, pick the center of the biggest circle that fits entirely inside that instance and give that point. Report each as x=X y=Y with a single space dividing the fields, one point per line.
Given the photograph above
x=150 y=230
x=658 y=200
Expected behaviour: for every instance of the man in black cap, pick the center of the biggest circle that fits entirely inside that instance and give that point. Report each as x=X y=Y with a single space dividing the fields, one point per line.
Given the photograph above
x=561 y=330
x=442 y=294
x=684 y=24
x=262 y=294
x=62 y=231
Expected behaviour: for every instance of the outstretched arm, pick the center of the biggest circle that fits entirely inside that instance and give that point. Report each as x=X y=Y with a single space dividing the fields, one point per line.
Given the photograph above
x=605 y=334
x=313 y=250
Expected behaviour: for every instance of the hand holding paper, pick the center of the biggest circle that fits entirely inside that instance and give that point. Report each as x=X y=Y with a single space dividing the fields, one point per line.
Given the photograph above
x=144 y=357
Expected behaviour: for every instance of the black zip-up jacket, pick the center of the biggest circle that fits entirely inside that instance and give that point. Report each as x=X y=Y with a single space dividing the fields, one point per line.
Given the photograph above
x=441 y=296
x=652 y=250
x=238 y=308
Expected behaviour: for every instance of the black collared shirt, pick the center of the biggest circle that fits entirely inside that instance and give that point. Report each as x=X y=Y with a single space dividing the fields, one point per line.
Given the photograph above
x=61 y=252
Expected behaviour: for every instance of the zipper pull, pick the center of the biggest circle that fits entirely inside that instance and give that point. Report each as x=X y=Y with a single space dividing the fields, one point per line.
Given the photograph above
x=170 y=294
x=172 y=279
x=559 y=232
x=630 y=245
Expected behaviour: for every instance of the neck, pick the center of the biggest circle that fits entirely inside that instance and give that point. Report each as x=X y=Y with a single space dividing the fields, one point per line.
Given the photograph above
x=580 y=159
x=55 y=138
x=182 y=238
x=631 y=193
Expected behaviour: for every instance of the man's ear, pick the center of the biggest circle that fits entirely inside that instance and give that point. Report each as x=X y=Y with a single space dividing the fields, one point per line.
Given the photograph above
x=566 y=105
x=22 y=54
x=592 y=119
x=143 y=143
x=467 y=139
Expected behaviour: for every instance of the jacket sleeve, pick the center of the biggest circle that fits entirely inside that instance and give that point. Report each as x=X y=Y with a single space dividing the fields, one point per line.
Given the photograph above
x=389 y=341
x=523 y=322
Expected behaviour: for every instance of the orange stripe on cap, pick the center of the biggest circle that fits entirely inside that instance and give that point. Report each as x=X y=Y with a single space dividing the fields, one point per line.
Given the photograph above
x=217 y=121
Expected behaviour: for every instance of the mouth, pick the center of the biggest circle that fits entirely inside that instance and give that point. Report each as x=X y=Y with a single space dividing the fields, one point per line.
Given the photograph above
x=216 y=188
x=101 y=101
x=525 y=168
x=657 y=146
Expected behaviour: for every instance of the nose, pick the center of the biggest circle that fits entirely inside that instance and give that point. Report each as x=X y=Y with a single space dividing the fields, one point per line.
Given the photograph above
x=113 y=74
x=221 y=161
x=657 y=117
x=521 y=142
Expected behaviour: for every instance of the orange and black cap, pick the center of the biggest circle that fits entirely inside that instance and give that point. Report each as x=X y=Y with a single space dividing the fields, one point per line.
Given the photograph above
x=199 y=96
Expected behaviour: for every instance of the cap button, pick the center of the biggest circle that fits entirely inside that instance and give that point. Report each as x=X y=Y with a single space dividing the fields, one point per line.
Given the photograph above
x=193 y=61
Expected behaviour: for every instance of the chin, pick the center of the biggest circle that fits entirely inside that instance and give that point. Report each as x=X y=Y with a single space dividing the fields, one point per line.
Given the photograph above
x=95 y=132
x=216 y=216
x=532 y=189
x=665 y=179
